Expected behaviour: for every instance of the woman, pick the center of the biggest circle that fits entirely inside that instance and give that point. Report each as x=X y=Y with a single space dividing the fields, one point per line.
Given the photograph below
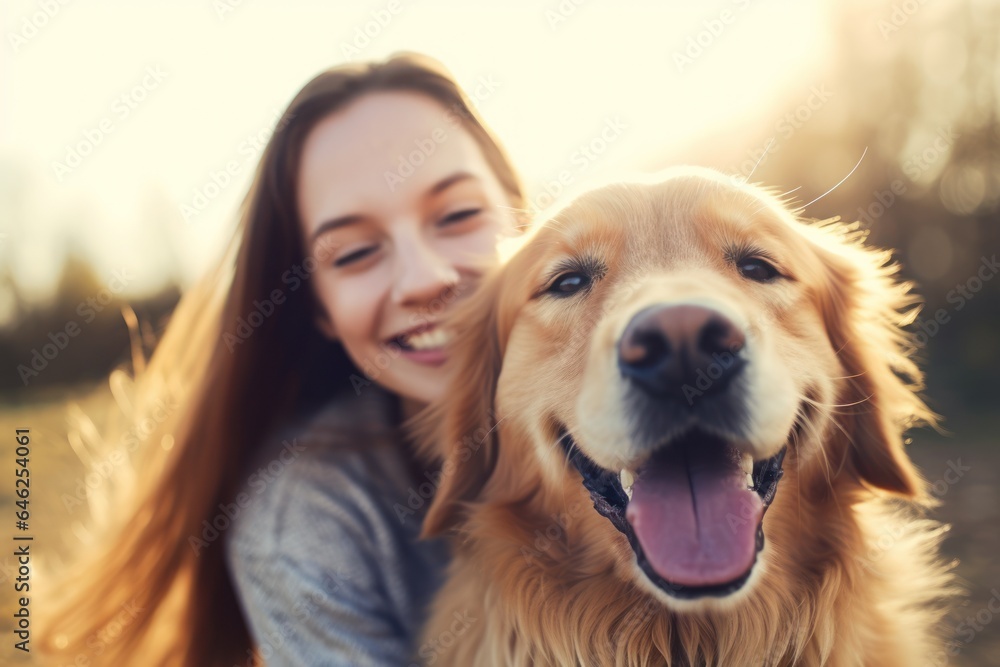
x=278 y=512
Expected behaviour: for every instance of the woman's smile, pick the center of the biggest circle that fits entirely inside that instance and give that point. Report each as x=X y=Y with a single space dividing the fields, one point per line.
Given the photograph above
x=400 y=254
x=426 y=344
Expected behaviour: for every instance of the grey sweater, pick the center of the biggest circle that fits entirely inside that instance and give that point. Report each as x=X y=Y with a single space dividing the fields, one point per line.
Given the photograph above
x=324 y=554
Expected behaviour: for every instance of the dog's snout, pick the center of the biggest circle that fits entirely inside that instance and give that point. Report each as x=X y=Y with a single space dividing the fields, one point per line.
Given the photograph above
x=664 y=348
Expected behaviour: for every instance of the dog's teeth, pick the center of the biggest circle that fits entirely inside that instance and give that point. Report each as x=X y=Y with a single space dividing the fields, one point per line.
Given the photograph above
x=749 y=481
x=746 y=463
x=627 y=479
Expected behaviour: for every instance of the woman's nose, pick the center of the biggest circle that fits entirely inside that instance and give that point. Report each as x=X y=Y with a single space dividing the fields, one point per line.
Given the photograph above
x=423 y=275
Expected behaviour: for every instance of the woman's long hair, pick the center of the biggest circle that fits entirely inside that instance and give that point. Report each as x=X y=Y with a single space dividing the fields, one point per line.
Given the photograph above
x=219 y=379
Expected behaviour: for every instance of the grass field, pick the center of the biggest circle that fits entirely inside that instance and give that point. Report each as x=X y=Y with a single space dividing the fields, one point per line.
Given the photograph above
x=55 y=470
x=965 y=474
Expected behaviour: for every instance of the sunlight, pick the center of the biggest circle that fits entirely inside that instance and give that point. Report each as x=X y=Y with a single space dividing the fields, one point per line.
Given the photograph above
x=126 y=156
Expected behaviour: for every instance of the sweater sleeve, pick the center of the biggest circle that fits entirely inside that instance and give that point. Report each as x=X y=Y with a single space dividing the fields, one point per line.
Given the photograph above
x=307 y=559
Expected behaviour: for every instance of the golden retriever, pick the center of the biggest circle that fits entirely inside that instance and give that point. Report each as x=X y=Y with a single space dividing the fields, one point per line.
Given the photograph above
x=674 y=438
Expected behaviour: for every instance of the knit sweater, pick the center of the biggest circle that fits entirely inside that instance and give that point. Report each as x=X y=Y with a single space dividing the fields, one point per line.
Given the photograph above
x=324 y=555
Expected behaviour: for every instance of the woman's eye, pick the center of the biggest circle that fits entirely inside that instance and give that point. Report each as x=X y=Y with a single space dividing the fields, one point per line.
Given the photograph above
x=352 y=257
x=459 y=216
x=757 y=269
x=569 y=283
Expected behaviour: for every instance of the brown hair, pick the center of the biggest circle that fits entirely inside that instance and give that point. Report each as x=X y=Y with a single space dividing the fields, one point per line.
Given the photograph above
x=175 y=603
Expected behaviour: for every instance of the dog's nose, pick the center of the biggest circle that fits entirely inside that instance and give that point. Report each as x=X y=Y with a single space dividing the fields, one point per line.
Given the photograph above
x=667 y=348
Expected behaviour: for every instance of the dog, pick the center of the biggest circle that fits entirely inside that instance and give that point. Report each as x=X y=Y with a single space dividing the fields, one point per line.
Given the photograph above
x=674 y=437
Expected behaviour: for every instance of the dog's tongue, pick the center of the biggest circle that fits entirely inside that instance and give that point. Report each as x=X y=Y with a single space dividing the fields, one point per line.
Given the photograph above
x=694 y=516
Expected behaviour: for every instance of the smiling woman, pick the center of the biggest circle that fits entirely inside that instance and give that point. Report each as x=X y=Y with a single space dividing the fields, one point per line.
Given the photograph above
x=394 y=254
x=266 y=529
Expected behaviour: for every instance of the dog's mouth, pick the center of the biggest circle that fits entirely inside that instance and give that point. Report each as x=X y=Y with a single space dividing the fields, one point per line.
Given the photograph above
x=692 y=512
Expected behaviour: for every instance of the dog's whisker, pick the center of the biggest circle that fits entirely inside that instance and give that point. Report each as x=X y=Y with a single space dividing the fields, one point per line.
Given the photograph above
x=850 y=441
x=798 y=484
x=865 y=152
x=815 y=435
x=841 y=349
x=516 y=209
x=833 y=406
x=494 y=427
x=568 y=450
x=819 y=404
x=557 y=225
x=844 y=377
x=781 y=197
x=767 y=149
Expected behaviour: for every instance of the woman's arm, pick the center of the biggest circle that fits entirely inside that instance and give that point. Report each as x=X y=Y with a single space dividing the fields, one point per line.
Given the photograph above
x=318 y=568
x=301 y=616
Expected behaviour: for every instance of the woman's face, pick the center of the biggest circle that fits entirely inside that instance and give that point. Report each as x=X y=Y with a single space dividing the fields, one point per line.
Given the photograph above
x=402 y=213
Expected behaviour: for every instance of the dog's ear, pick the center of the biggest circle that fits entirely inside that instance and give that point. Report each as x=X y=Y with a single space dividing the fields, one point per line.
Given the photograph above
x=459 y=431
x=865 y=306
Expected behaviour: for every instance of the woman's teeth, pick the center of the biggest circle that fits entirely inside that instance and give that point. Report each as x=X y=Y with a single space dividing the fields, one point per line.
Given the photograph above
x=428 y=340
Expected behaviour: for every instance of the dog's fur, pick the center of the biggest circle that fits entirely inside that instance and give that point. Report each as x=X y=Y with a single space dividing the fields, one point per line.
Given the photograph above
x=849 y=573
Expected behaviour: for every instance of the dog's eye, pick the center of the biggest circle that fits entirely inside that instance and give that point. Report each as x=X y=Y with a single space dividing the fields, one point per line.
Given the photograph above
x=569 y=283
x=757 y=269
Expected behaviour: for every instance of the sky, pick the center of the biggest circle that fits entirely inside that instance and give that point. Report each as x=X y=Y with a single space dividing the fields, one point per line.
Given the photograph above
x=114 y=115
